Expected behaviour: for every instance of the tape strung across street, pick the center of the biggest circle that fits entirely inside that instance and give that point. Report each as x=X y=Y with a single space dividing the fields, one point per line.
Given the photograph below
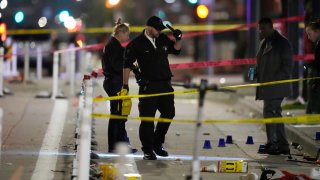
x=269 y=83
x=99 y=99
x=294 y=119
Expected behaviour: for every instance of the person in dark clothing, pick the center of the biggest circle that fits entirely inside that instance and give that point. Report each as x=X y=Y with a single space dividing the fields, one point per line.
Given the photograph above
x=274 y=63
x=112 y=65
x=313 y=106
x=150 y=50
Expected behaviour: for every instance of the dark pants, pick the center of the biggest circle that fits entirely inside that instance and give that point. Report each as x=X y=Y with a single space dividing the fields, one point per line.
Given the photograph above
x=313 y=106
x=150 y=136
x=116 y=128
x=275 y=131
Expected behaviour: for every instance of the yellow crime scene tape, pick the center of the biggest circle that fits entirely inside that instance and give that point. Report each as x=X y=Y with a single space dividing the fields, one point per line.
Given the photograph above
x=294 y=119
x=99 y=99
x=268 y=83
x=185 y=28
x=314 y=118
x=132 y=29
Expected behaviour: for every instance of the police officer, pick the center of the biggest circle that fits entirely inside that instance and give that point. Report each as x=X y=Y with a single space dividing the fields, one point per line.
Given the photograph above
x=112 y=65
x=150 y=50
x=313 y=107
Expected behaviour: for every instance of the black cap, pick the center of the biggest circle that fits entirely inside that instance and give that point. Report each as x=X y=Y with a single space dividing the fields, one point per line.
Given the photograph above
x=156 y=22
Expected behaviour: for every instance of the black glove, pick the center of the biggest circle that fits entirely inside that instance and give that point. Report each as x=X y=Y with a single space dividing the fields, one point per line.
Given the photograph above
x=177 y=34
x=125 y=86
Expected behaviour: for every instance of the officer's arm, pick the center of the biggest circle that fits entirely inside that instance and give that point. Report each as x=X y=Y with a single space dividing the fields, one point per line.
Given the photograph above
x=126 y=73
x=129 y=58
x=174 y=46
x=178 y=45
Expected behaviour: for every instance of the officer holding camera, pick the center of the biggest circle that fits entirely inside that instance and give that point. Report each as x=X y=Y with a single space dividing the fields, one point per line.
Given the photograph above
x=150 y=51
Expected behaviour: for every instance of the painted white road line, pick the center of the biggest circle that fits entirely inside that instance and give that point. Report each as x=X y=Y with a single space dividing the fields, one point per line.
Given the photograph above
x=1 y=114
x=45 y=165
x=176 y=157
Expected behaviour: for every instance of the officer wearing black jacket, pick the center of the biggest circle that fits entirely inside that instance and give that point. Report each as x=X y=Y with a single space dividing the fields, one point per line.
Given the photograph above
x=313 y=107
x=112 y=65
x=150 y=50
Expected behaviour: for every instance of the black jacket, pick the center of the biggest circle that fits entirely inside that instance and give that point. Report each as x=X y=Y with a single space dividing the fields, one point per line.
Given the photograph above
x=314 y=66
x=274 y=63
x=112 y=60
x=153 y=62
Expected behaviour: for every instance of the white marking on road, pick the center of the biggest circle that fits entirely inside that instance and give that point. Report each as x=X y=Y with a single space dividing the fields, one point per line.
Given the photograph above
x=306 y=125
x=46 y=165
x=36 y=153
x=177 y=157
x=1 y=113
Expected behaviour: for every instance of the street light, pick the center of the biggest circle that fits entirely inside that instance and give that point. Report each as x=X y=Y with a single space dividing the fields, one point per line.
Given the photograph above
x=111 y=3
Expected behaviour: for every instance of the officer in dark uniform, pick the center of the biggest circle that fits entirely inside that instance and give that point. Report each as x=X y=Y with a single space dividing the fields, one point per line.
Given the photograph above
x=313 y=32
x=112 y=65
x=150 y=50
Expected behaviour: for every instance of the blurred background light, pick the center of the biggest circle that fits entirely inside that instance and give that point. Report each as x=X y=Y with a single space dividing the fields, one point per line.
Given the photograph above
x=3 y=4
x=193 y=1
x=111 y=3
x=19 y=16
x=161 y=14
x=202 y=11
x=170 y=1
x=42 y=22
x=63 y=15
x=70 y=23
x=222 y=80
x=114 y=2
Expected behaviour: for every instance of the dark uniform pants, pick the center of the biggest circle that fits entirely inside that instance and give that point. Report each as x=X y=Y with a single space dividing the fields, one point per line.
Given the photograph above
x=150 y=136
x=275 y=131
x=116 y=127
x=313 y=106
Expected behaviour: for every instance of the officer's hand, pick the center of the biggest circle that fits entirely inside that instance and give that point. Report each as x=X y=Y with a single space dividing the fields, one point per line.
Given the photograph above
x=126 y=87
x=177 y=34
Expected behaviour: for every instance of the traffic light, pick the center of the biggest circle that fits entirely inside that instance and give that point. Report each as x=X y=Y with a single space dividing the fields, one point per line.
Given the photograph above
x=202 y=11
x=19 y=17
x=193 y=1
x=63 y=15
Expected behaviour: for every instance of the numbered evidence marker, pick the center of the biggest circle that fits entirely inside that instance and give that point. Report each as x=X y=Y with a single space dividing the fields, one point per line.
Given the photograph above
x=232 y=166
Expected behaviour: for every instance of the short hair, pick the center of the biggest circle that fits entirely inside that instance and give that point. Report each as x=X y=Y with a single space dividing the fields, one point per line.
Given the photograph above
x=266 y=21
x=314 y=25
x=120 y=27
